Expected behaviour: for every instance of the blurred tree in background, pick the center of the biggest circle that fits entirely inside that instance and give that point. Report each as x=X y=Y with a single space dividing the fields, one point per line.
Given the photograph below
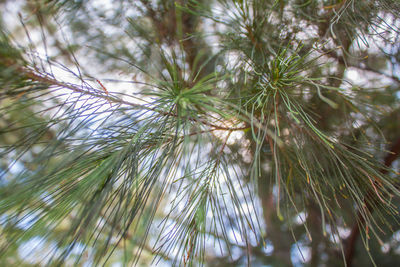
x=209 y=132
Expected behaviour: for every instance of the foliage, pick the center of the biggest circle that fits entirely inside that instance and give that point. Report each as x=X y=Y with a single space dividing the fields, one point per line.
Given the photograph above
x=138 y=132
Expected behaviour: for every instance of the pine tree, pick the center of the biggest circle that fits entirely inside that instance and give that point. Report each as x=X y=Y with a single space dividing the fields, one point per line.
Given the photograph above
x=208 y=132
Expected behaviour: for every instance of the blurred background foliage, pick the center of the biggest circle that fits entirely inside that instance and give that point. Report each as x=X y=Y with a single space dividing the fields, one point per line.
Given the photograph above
x=209 y=132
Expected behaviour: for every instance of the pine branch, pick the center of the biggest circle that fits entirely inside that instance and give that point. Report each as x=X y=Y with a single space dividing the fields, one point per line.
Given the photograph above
x=101 y=94
x=118 y=170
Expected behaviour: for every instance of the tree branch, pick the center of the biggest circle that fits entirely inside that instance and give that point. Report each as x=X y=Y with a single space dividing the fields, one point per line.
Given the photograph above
x=51 y=81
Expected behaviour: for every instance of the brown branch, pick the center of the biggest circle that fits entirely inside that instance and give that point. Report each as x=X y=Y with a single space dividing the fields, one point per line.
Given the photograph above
x=392 y=155
x=51 y=81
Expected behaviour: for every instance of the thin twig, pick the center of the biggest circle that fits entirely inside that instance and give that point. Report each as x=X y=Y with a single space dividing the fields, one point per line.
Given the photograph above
x=46 y=79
